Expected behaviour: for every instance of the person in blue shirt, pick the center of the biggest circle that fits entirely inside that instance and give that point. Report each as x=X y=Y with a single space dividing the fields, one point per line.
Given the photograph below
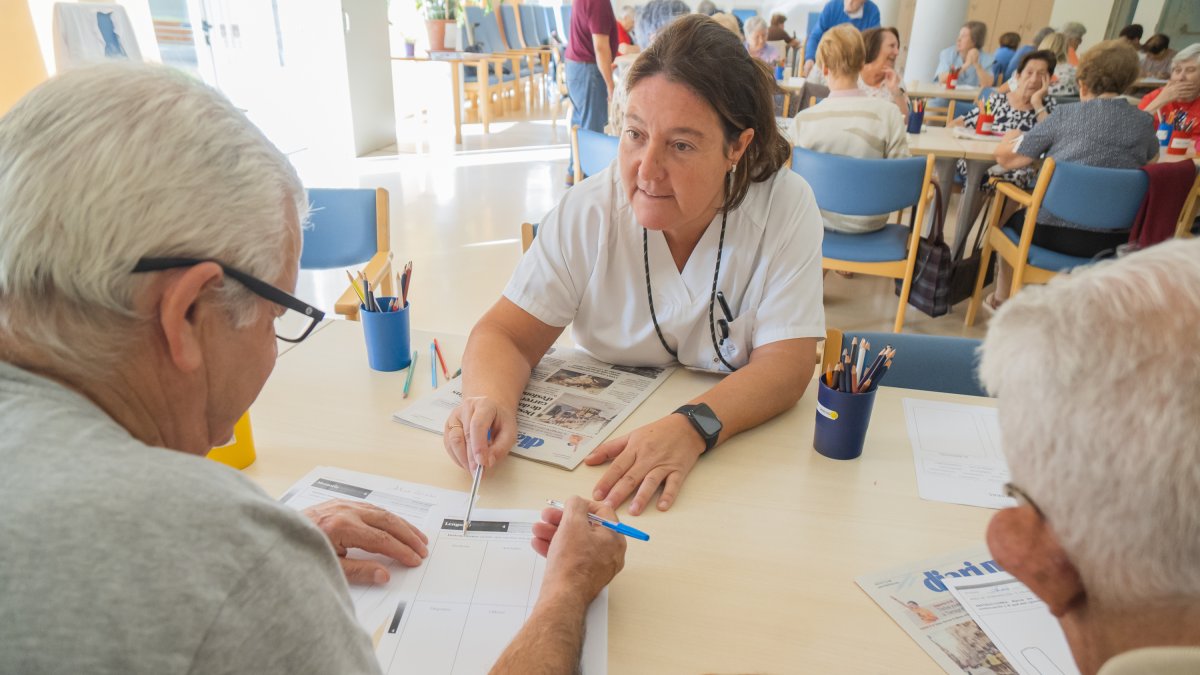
x=1023 y=50
x=1000 y=60
x=862 y=14
x=968 y=56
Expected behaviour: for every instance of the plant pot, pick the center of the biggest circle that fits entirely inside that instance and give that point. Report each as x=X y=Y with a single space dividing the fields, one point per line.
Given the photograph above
x=436 y=28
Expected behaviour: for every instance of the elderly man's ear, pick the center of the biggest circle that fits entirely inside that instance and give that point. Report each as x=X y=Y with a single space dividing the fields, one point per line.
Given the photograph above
x=1025 y=546
x=182 y=315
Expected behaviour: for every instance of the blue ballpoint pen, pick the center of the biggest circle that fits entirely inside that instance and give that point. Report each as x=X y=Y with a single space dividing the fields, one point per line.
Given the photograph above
x=433 y=364
x=619 y=528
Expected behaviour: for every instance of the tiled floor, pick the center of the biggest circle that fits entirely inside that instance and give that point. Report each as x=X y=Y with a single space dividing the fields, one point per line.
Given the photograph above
x=456 y=213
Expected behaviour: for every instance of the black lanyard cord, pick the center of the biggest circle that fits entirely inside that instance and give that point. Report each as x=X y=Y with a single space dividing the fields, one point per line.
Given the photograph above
x=712 y=298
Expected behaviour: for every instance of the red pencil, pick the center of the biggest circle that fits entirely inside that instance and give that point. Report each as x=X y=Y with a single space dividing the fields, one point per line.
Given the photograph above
x=438 y=351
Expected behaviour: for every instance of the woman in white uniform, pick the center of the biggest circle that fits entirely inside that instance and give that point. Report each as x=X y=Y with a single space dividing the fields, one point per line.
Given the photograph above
x=699 y=210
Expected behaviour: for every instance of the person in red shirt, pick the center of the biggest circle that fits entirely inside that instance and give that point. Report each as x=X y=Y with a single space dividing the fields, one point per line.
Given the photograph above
x=625 y=43
x=589 y=59
x=1182 y=91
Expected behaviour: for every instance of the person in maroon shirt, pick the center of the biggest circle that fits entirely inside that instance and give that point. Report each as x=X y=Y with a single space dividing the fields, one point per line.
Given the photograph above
x=590 y=50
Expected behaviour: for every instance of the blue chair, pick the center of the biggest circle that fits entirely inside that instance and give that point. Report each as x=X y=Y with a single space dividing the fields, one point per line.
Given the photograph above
x=925 y=362
x=593 y=152
x=895 y=184
x=346 y=228
x=1101 y=199
x=484 y=30
x=744 y=15
x=564 y=13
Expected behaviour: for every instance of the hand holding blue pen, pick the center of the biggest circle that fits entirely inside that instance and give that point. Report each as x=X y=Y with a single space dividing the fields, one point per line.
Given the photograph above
x=619 y=528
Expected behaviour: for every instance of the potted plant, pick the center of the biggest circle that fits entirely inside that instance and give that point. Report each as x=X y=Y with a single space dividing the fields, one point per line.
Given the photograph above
x=440 y=15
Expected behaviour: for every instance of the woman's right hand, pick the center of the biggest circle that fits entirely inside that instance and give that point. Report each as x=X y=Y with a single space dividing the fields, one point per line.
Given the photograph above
x=1176 y=90
x=466 y=433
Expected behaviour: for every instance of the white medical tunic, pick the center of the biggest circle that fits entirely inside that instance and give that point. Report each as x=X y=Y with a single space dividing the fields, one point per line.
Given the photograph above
x=586 y=268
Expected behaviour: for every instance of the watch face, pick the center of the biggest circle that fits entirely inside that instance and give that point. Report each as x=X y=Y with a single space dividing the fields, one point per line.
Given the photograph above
x=707 y=421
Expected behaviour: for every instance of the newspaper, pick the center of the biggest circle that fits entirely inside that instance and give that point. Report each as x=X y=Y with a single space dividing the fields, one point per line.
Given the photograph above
x=571 y=404
x=916 y=598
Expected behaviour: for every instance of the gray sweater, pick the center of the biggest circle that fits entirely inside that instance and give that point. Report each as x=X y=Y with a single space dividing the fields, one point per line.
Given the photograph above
x=117 y=557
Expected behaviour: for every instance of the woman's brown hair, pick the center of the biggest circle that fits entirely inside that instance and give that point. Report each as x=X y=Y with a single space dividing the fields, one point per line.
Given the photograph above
x=703 y=56
x=1110 y=67
x=873 y=41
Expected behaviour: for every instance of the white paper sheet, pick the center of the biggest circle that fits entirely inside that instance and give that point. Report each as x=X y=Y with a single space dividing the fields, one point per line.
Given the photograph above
x=1017 y=622
x=458 y=611
x=419 y=504
x=957 y=452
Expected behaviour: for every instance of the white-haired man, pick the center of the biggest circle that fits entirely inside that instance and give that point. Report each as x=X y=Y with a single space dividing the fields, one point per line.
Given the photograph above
x=151 y=238
x=1098 y=376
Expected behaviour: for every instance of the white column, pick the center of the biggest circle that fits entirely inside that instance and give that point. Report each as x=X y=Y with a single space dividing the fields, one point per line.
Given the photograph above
x=935 y=26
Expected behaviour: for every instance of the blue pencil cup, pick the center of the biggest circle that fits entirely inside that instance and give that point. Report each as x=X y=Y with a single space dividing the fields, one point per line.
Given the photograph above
x=388 y=341
x=778 y=72
x=842 y=421
x=1165 y=130
x=915 y=119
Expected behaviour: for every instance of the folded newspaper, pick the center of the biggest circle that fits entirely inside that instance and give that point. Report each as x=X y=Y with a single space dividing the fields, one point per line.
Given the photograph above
x=571 y=404
x=916 y=598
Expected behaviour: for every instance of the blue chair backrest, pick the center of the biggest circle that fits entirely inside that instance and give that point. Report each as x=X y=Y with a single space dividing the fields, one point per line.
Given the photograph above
x=342 y=228
x=508 y=16
x=546 y=24
x=530 y=25
x=487 y=30
x=1102 y=199
x=596 y=151
x=565 y=13
x=927 y=362
x=860 y=187
x=745 y=15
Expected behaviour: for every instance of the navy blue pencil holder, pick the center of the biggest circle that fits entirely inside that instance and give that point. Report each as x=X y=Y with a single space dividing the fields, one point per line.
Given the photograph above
x=388 y=341
x=915 y=119
x=1165 y=130
x=842 y=421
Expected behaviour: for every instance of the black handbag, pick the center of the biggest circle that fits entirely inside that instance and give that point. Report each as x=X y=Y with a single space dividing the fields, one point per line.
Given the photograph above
x=941 y=278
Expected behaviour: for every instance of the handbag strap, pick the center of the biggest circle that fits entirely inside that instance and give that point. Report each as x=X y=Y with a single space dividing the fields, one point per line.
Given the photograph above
x=939 y=217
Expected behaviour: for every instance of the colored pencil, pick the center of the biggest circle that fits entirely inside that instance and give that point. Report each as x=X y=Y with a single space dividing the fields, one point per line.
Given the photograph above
x=438 y=350
x=412 y=367
x=433 y=365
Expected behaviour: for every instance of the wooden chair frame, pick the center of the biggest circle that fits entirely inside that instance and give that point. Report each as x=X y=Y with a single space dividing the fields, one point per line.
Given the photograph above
x=1191 y=208
x=527 y=235
x=894 y=269
x=379 y=267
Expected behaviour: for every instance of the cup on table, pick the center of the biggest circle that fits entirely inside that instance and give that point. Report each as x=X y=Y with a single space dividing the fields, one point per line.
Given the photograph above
x=387 y=334
x=1180 y=143
x=778 y=72
x=915 y=119
x=842 y=420
x=1164 y=134
x=983 y=124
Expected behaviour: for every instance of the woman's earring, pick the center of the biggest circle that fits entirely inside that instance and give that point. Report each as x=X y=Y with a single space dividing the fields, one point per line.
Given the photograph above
x=733 y=168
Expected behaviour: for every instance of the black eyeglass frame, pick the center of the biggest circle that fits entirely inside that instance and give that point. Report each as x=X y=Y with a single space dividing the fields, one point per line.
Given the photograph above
x=1018 y=494
x=253 y=284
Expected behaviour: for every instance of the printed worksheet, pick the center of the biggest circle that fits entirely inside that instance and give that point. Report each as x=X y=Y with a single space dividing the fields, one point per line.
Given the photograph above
x=1017 y=622
x=411 y=501
x=457 y=612
x=957 y=453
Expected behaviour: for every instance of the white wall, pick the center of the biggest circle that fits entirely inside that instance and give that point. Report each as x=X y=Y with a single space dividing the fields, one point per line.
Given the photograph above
x=935 y=26
x=369 y=69
x=1147 y=14
x=1093 y=14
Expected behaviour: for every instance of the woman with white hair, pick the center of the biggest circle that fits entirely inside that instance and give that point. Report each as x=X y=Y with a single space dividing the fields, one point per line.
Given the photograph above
x=1181 y=94
x=1074 y=32
x=756 y=42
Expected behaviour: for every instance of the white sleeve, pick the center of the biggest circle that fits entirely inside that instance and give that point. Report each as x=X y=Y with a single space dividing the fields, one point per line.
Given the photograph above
x=552 y=275
x=792 y=305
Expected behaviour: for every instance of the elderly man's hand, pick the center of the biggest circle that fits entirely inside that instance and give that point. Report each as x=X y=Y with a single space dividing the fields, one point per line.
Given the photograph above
x=357 y=525
x=581 y=557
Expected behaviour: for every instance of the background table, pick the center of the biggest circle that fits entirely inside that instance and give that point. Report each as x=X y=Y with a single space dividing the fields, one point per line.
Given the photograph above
x=753 y=568
x=937 y=90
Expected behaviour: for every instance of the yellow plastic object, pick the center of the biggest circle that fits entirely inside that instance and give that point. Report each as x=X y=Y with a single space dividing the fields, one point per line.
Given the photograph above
x=240 y=453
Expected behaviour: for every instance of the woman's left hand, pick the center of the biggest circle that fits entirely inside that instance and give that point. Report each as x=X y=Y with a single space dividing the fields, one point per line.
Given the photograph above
x=660 y=453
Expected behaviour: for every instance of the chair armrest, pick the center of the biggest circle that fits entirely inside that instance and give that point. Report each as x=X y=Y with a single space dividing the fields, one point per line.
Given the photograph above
x=1013 y=192
x=379 y=272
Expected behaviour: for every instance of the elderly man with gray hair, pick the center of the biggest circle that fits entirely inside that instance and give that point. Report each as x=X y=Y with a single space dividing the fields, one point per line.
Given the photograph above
x=1097 y=376
x=151 y=239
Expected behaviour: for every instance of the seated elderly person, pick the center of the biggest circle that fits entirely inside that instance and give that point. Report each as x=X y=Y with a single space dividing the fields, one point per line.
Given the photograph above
x=776 y=31
x=849 y=122
x=1101 y=130
x=756 y=42
x=651 y=19
x=1181 y=94
x=879 y=77
x=1105 y=457
x=967 y=56
x=1157 y=57
x=151 y=242
x=1063 y=77
x=1074 y=32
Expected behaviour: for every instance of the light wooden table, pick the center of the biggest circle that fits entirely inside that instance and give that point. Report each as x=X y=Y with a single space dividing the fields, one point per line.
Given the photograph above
x=938 y=90
x=947 y=148
x=753 y=568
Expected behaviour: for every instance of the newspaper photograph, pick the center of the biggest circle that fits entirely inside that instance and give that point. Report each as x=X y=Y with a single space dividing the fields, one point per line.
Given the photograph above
x=916 y=597
x=571 y=404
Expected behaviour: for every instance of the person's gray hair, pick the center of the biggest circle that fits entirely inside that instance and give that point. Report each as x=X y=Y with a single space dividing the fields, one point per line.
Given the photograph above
x=106 y=164
x=1188 y=53
x=1097 y=375
x=655 y=16
x=706 y=7
x=1073 y=30
x=1041 y=35
x=753 y=25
